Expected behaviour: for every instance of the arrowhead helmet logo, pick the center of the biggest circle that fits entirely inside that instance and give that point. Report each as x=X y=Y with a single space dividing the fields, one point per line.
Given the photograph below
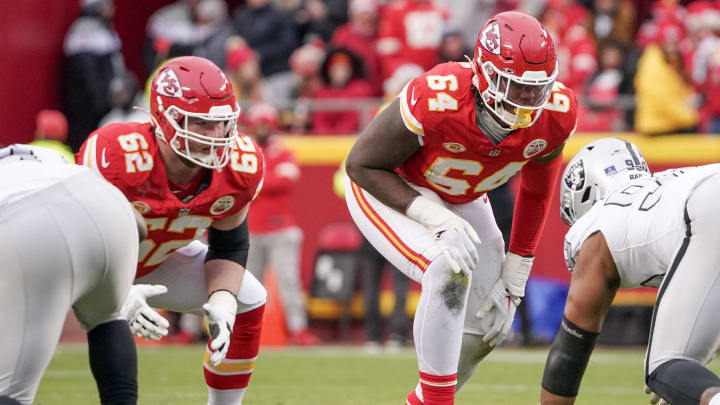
x=168 y=84
x=490 y=38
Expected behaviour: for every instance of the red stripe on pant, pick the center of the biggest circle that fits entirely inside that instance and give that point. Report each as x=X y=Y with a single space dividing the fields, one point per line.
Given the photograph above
x=438 y=389
x=244 y=344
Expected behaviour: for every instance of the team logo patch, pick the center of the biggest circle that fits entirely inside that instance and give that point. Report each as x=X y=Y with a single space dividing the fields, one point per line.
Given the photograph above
x=575 y=178
x=222 y=205
x=454 y=147
x=168 y=84
x=490 y=38
x=534 y=147
x=141 y=206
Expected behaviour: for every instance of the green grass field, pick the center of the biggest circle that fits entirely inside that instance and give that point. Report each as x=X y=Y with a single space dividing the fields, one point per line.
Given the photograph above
x=342 y=375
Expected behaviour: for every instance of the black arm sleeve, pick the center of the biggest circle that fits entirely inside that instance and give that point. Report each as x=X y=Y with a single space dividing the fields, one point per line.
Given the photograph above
x=230 y=245
x=568 y=357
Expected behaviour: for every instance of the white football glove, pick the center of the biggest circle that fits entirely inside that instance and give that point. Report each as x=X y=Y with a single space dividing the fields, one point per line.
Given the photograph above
x=500 y=301
x=220 y=311
x=515 y=273
x=144 y=321
x=655 y=398
x=455 y=236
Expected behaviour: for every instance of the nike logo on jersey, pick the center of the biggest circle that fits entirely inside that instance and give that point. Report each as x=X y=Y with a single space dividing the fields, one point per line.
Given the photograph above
x=413 y=100
x=104 y=162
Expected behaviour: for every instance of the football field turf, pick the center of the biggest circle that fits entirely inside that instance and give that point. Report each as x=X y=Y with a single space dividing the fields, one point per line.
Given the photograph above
x=336 y=375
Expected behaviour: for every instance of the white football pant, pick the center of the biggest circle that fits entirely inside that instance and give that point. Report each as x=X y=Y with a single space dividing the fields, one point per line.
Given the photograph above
x=74 y=243
x=446 y=310
x=685 y=319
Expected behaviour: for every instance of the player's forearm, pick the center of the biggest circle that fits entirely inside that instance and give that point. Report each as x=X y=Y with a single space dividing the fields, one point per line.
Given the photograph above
x=384 y=185
x=223 y=274
x=533 y=204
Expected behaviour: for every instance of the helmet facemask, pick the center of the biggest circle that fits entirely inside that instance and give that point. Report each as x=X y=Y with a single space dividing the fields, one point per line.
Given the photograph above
x=517 y=101
x=219 y=148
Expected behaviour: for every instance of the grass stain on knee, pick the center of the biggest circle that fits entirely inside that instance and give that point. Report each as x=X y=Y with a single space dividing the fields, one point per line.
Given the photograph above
x=453 y=291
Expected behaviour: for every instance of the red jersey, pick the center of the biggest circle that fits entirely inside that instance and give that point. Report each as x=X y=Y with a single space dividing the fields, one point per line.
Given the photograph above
x=410 y=32
x=456 y=159
x=127 y=155
x=272 y=209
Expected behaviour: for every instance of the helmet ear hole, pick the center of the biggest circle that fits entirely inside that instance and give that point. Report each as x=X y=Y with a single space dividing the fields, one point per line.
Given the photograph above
x=586 y=195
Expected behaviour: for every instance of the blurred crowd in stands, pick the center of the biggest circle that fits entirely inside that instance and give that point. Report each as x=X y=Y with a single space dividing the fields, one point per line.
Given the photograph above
x=327 y=65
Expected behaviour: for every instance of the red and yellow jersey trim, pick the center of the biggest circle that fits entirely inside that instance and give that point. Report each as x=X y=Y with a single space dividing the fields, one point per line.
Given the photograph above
x=90 y=155
x=411 y=123
x=415 y=258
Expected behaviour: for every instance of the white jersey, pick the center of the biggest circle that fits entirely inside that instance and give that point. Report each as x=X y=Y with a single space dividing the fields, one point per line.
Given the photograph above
x=643 y=224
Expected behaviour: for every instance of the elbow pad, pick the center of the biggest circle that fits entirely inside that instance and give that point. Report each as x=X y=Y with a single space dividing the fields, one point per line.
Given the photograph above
x=230 y=245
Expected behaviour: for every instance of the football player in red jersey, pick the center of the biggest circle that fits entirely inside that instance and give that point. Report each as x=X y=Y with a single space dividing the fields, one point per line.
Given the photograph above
x=418 y=175
x=185 y=171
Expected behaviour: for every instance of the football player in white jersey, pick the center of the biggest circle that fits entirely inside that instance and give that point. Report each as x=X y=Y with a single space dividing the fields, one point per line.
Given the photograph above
x=631 y=229
x=67 y=239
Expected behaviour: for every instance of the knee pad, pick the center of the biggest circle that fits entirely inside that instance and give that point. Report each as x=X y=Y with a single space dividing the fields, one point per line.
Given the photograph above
x=8 y=401
x=252 y=294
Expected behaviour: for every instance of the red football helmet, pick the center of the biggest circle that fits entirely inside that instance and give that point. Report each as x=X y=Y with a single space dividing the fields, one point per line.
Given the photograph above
x=191 y=86
x=515 y=67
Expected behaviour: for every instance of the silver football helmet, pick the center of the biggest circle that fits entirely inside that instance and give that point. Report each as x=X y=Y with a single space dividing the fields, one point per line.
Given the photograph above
x=594 y=171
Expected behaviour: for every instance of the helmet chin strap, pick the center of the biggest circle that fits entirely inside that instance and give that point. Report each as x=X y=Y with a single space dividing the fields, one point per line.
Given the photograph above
x=489 y=125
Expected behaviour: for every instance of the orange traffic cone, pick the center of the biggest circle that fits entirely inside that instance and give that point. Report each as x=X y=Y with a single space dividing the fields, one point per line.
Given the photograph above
x=274 y=330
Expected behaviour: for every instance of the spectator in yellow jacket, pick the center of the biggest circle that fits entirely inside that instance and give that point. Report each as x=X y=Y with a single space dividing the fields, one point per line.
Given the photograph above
x=664 y=95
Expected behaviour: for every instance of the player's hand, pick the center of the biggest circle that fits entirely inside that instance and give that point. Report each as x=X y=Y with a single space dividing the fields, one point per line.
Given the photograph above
x=220 y=311
x=144 y=321
x=458 y=250
x=500 y=301
x=456 y=237
x=515 y=272
x=655 y=398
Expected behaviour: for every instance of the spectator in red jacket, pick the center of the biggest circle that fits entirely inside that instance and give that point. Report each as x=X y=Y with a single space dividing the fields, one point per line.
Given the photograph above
x=565 y=21
x=360 y=36
x=344 y=78
x=275 y=238
x=410 y=32
x=243 y=68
